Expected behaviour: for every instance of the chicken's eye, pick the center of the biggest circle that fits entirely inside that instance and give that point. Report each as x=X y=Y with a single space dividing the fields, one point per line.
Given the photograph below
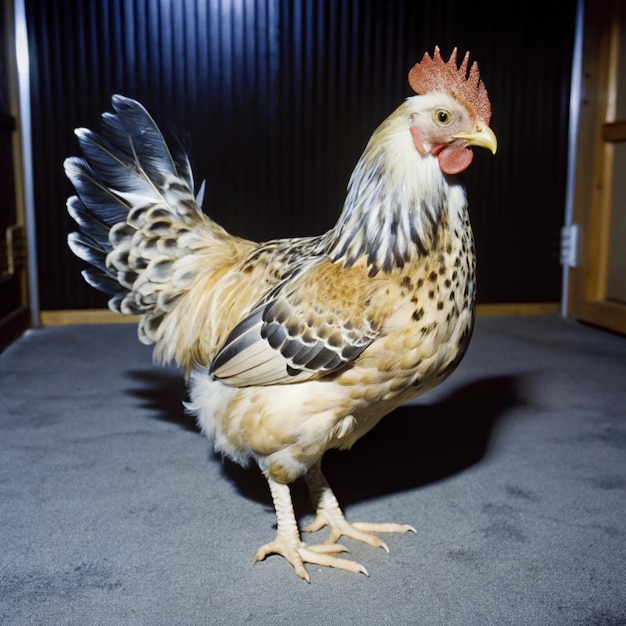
x=443 y=117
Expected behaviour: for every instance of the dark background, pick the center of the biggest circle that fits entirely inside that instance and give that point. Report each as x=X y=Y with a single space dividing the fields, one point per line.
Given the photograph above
x=277 y=98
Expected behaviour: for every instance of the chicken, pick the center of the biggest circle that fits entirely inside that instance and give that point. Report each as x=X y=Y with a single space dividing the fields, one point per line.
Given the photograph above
x=296 y=346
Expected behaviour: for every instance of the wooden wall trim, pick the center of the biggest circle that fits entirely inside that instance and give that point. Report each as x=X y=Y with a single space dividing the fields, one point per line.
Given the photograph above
x=85 y=316
x=519 y=308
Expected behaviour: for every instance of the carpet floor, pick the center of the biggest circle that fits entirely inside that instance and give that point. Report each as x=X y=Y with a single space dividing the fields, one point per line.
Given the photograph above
x=115 y=510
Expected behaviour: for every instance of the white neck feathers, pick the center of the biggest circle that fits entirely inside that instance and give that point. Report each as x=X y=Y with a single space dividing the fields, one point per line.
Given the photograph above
x=397 y=200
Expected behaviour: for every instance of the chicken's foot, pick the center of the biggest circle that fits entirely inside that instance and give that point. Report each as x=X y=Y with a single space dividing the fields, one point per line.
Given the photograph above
x=328 y=513
x=288 y=544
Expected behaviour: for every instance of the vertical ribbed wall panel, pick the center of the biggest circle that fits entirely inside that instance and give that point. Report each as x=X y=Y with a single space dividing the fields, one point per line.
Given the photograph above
x=277 y=98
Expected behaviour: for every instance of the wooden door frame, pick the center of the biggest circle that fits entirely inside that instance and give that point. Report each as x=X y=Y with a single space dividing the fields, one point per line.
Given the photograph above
x=598 y=131
x=13 y=324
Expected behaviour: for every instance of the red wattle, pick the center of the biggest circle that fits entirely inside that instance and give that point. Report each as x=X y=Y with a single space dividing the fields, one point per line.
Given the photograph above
x=454 y=159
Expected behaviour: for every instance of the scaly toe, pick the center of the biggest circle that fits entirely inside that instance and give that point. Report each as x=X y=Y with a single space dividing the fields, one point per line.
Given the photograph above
x=285 y=550
x=359 y=531
x=321 y=557
x=383 y=528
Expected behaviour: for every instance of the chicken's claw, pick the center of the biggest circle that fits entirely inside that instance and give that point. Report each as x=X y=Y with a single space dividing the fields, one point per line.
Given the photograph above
x=359 y=531
x=321 y=554
x=329 y=514
x=288 y=544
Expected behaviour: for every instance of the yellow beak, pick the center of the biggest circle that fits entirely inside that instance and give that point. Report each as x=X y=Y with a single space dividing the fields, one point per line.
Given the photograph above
x=482 y=137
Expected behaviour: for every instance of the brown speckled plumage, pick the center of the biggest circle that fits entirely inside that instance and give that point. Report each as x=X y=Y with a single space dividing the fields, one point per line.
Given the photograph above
x=293 y=347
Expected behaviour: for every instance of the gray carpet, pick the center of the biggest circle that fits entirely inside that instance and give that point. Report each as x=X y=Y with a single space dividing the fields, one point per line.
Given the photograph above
x=114 y=510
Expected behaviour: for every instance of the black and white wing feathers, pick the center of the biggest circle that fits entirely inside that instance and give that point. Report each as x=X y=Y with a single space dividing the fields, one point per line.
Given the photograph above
x=297 y=333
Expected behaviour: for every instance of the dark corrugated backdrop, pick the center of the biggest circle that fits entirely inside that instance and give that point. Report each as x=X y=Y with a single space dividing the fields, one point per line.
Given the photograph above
x=277 y=98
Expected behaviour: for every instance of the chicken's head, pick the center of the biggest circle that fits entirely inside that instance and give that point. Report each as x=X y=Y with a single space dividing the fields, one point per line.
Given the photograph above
x=453 y=113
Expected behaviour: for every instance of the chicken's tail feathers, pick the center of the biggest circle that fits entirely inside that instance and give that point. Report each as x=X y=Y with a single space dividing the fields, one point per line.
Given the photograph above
x=139 y=222
x=130 y=163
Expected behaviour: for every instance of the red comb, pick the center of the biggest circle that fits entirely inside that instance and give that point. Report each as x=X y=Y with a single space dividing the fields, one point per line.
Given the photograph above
x=438 y=75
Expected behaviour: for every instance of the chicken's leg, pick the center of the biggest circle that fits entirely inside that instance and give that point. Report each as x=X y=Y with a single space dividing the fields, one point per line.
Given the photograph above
x=288 y=544
x=329 y=514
